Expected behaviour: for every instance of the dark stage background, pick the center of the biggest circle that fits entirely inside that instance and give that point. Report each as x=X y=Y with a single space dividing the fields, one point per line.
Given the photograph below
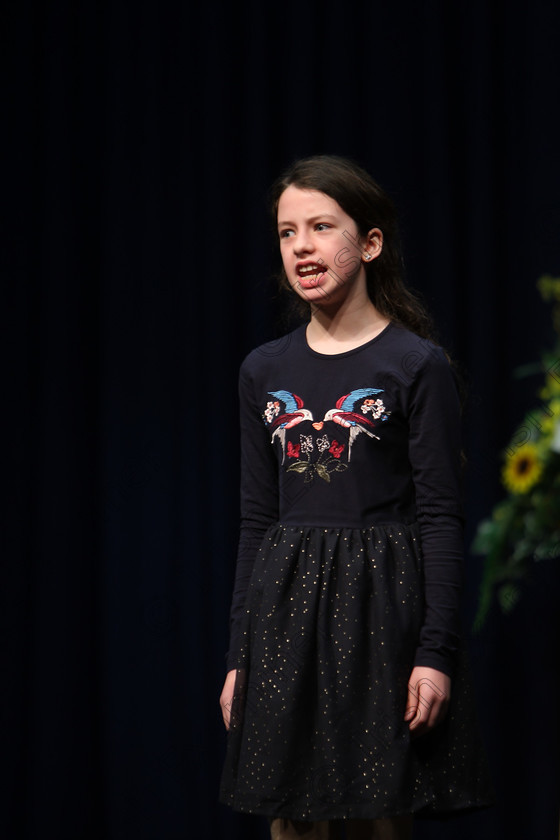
x=136 y=271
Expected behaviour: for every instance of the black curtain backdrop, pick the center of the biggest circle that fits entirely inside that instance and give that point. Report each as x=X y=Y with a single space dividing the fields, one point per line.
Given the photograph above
x=137 y=256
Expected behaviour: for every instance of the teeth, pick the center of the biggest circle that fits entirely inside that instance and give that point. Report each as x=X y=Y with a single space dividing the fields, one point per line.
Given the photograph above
x=310 y=269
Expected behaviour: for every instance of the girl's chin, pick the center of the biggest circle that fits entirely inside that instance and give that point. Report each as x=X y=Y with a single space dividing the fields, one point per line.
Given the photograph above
x=316 y=295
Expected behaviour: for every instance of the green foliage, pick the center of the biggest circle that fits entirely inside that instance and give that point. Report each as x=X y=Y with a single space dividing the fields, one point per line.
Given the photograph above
x=524 y=527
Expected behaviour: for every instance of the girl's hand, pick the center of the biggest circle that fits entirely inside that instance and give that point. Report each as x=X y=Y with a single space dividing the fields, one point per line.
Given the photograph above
x=226 y=697
x=428 y=697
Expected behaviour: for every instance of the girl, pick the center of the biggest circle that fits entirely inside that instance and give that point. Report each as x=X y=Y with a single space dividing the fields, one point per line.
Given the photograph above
x=346 y=700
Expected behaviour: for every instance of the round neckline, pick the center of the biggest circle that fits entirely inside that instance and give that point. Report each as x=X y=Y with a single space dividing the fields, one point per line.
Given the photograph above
x=344 y=352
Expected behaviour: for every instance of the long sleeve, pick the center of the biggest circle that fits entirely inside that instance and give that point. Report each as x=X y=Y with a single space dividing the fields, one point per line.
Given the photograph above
x=259 y=498
x=434 y=452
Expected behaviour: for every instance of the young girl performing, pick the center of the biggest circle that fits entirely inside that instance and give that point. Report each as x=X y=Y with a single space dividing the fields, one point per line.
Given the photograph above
x=347 y=701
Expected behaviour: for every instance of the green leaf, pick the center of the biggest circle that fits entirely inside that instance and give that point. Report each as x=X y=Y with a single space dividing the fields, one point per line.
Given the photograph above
x=322 y=472
x=299 y=467
x=487 y=532
x=548 y=549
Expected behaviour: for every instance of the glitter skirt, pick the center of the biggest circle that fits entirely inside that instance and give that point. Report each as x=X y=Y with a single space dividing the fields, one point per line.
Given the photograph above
x=331 y=627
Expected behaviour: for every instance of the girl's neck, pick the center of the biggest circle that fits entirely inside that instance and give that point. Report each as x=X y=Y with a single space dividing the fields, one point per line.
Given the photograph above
x=345 y=328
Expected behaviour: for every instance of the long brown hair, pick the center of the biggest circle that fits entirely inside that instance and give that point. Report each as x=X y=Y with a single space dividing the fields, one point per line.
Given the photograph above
x=369 y=206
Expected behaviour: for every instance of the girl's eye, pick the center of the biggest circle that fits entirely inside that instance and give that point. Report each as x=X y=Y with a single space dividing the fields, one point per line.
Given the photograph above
x=322 y=226
x=285 y=233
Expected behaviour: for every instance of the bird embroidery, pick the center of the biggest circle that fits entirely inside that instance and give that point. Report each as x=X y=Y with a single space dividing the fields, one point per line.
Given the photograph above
x=346 y=413
x=281 y=419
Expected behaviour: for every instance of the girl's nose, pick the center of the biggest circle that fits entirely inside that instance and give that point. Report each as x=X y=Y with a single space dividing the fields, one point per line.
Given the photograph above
x=302 y=243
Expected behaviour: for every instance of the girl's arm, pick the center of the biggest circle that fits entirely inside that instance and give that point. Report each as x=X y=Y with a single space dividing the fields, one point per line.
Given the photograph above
x=226 y=698
x=435 y=456
x=259 y=494
x=259 y=509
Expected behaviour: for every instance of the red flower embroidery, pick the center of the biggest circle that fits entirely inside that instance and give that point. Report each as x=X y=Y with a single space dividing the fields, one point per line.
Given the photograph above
x=336 y=448
x=293 y=451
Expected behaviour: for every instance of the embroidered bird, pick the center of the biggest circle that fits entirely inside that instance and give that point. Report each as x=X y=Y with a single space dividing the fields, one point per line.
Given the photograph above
x=293 y=413
x=345 y=413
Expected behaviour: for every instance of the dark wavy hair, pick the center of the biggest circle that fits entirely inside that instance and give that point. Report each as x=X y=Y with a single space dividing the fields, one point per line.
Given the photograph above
x=369 y=206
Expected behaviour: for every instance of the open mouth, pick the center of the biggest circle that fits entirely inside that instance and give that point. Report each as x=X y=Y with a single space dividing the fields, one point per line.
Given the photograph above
x=310 y=273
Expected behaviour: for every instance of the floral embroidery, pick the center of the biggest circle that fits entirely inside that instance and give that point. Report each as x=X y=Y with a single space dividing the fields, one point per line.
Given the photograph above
x=326 y=463
x=376 y=407
x=357 y=412
x=306 y=442
x=336 y=449
x=272 y=410
x=293 y=449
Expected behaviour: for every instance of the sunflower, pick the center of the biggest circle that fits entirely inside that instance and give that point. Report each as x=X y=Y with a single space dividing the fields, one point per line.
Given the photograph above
x=522 y=470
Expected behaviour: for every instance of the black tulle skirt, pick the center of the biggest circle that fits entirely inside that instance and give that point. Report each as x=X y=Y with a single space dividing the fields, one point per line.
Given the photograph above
x=330 y=632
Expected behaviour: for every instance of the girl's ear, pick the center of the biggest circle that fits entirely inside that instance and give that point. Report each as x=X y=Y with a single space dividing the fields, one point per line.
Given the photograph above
x=373 y=245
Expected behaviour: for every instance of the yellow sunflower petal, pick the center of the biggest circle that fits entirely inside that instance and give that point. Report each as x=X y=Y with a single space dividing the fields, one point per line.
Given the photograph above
x=522 y=469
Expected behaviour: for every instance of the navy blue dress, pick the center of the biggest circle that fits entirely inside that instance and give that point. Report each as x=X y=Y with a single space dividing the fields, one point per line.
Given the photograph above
x=348 y=575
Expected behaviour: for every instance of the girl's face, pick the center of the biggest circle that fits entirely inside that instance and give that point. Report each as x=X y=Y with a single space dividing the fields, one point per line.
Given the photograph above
x=323 y=254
